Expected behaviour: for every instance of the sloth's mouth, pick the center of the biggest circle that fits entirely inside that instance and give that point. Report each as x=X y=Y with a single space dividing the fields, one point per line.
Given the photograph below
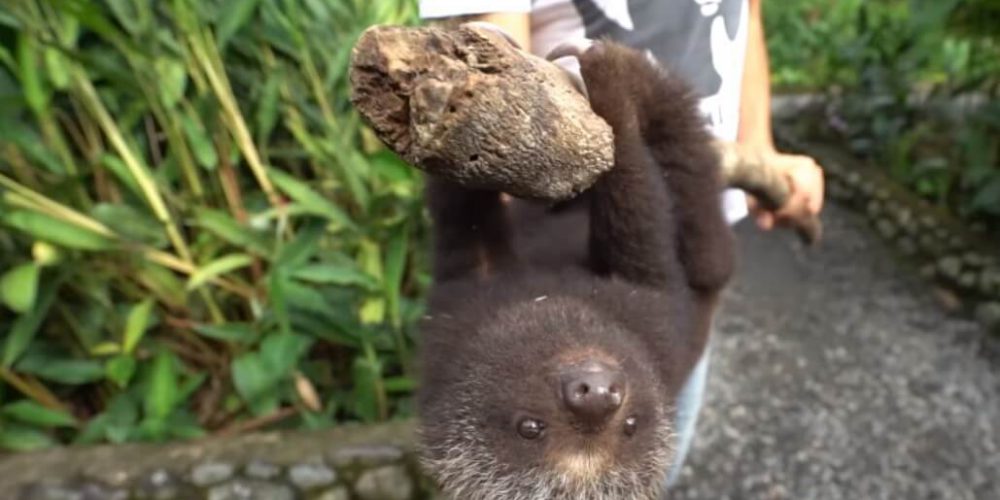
x=582 y=466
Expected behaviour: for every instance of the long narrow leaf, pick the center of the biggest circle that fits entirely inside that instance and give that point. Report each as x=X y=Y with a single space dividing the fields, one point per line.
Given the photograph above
x=311 y=200
x=23 y=438
x=23 y=331
x=395 y=265
x=33 y=413
x=19 y=287
x=162 y=395
x=136 y=325
x=225 y=227
x=236 y=13
x=218 y=267
x=55 y=231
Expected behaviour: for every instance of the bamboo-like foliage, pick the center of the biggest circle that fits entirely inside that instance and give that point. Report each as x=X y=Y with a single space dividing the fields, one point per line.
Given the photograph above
x=197 y=234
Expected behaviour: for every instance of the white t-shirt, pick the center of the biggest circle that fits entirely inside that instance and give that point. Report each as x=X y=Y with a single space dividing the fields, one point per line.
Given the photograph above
x=702 y=41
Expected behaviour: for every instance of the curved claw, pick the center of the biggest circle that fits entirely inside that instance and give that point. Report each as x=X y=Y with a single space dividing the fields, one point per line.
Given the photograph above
x=574 y=48
x=494 y=29
x=570 y=66
x=567 y=55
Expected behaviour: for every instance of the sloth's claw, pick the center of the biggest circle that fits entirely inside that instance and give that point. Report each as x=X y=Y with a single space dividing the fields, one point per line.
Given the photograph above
x=567 y=56
x=571 y=68
x=574 y=48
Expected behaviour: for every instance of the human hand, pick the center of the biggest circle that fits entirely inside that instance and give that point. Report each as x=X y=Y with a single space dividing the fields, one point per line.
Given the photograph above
x=805 y=181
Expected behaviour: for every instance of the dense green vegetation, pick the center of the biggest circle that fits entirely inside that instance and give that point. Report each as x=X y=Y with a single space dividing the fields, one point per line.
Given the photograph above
x=899 y=73
x=198 y=235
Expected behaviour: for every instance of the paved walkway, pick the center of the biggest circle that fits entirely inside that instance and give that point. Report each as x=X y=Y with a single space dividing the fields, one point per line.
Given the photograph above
x=836 y=375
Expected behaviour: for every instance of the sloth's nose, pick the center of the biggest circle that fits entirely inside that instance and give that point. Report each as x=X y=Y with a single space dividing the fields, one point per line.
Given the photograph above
x=593 y=391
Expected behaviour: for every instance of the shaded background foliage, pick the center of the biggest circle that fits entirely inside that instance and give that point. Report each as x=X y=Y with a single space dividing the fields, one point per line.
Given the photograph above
x=197 y=234
x=912 y=86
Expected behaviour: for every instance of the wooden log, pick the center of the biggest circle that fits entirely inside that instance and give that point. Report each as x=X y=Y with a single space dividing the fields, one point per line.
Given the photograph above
x=466 y=105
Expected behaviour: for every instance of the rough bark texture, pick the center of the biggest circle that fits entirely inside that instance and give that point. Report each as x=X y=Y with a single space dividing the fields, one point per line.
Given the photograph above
x=466 y=105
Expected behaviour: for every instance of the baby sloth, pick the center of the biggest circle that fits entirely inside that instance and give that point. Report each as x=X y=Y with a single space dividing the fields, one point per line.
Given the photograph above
x=558 y=337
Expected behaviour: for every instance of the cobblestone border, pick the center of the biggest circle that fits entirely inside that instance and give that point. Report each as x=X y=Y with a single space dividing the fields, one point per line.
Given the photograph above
x=963 y=264
x=350 y=462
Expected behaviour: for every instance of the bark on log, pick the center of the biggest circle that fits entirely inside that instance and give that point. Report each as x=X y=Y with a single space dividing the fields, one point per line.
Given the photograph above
x=466 y=105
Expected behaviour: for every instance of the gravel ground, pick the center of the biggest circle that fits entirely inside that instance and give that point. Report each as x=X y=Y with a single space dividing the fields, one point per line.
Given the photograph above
x=836 y=375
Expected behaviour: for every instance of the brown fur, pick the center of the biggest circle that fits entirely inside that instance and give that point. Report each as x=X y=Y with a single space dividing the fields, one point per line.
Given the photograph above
x=630 y=271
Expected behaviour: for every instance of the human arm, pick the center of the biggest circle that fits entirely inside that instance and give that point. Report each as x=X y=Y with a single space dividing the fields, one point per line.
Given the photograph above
x=804 y=176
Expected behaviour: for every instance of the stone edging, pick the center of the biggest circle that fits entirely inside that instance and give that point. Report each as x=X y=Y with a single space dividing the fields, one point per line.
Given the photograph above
x=963 y=264
x=350 y=462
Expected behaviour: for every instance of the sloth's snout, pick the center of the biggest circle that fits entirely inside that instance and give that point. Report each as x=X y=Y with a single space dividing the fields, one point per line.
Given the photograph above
x=592 y=392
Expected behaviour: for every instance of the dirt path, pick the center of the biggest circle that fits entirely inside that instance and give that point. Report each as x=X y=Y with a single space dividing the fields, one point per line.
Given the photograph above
x=836 y=375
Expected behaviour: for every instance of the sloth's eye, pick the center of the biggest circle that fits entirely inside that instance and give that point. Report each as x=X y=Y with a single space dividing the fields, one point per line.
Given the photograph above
x=631 y=423
x=530 y=428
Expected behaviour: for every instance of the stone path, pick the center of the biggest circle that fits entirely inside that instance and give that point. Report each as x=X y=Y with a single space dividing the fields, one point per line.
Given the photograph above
x=836 y=375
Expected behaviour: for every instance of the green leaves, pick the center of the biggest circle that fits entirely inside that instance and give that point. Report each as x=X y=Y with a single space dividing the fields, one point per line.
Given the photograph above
x=120 y=369
x=200 y=141
x=55 y=231
x=237 y=333
x=302 y=248
x=225 y=227
x=258 y=376
x=22 y=332
x=64 y=371
x=57 y=67
x=266 y=116
x=309 y=199
x=16 y=437
x=282 y=352
x=987 y=197
x=35 y=92
x=369 y=399
x=136 y=324
x=172 y=79
x=255 y=385
x=131 y=223
x=19 y=286
x=162 y=394
x=395 y=265
x=218 y=267
x=877 y=55
x=165 y=254
x=233 y=15
x=32 y=413
x=336 y=274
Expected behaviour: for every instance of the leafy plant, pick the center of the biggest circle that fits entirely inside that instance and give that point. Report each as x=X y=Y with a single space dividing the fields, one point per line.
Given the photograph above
x=802 y=40
x=901 y=112
x=197 y=234
x=817 y=45
x=913 y=85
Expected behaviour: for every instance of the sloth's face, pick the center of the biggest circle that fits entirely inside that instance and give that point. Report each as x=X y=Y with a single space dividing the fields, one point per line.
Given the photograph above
x=569 y=409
